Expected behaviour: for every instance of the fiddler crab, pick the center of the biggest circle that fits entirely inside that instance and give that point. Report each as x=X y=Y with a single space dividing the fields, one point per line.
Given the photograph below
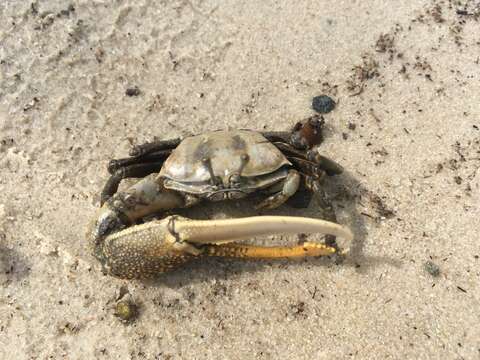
x=214 y=166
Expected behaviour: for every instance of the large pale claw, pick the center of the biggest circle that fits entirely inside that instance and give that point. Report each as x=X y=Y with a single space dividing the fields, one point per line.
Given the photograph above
x=148 y=249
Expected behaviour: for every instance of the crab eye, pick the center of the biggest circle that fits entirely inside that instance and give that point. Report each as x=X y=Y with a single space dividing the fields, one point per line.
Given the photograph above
x=235 y=179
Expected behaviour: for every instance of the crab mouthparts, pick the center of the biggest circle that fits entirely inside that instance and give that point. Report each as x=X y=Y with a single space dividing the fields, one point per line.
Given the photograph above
x=226 y=193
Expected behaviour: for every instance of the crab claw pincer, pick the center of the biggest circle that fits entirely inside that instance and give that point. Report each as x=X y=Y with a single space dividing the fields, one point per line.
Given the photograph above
x=145 y=250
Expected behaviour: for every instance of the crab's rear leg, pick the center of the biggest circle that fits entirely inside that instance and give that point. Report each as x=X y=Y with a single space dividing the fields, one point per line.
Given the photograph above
x=314 y=176
x=315 y=186
x=330 y=167
x=289 y=187
x=154 y=146
x=311 y=156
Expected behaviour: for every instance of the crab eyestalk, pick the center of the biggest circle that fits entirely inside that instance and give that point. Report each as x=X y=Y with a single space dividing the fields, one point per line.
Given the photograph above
x=149 y=249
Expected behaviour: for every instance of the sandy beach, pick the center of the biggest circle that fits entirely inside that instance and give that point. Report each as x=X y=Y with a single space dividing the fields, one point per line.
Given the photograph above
x=81 y=82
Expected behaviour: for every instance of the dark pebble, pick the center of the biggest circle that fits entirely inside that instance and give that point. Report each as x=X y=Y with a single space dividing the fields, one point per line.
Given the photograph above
x=323 y=104
x=133 y=91
x=432 y=268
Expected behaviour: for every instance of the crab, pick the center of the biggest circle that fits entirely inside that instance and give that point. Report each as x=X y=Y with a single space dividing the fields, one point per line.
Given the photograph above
x=214 y=166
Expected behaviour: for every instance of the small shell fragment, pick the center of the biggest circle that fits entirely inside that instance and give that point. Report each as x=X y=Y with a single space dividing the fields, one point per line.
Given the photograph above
x=126 y=310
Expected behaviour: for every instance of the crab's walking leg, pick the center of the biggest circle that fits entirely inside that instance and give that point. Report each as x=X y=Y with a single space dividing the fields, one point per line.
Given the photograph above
x=289 y=150
x=326 y=164
x=306 y=167
x=145 y=198
x=145 y=159
x=158 y=156
x=311 y=156
x=290 y=187
x=322 y=201
x=154 y=146
x=132 y=171
x=277 y=136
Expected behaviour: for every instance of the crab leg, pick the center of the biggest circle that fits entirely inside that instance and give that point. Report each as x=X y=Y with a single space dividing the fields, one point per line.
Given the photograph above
x=131 y=171
x=154 y=146
x=289 y=188
x=159 y=156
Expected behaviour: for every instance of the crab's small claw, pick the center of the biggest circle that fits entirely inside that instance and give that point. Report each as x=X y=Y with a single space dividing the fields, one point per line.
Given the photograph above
x=161 y=245
x=308 y=133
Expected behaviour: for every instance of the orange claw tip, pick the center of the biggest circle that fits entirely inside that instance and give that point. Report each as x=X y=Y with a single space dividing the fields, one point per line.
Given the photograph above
x=316 y=249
